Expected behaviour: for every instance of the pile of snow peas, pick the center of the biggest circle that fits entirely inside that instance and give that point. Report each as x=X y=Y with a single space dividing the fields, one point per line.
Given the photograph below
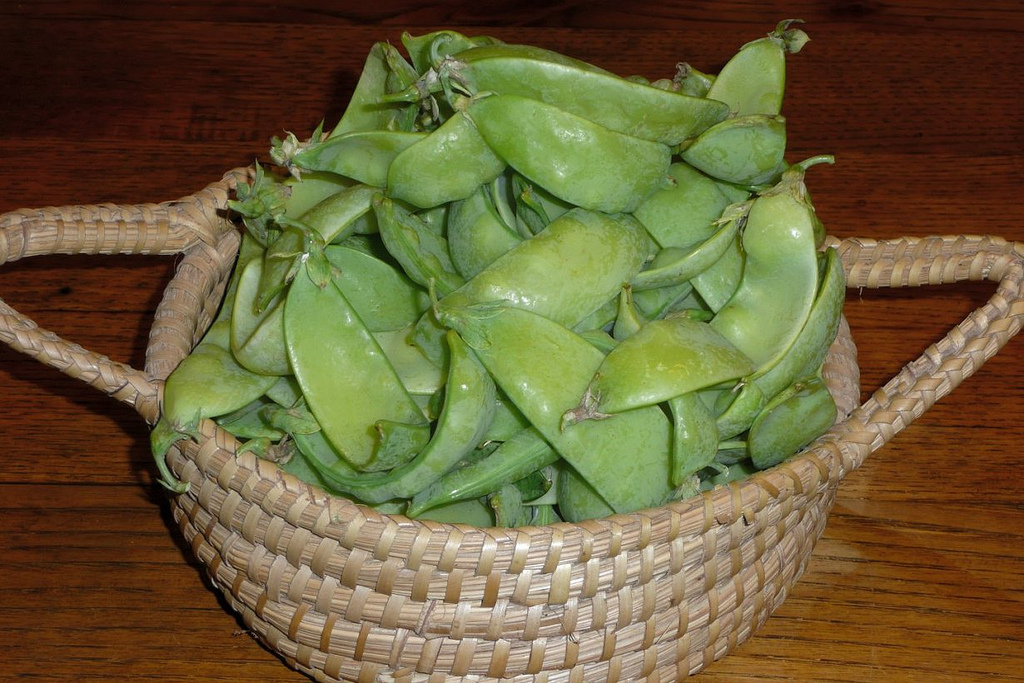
x=512 y=288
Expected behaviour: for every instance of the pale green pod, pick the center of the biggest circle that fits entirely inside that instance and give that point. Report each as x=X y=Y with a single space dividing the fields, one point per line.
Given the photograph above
x=745 y=150
x=694 y=436
x=476 y=233
x=790 y=421
x=365 y=110
x=544 y=368
x=676 y=265
x=571 y=157
x=623 y=105
x=716 y=284
x=455 y=156
x=753 y=81
x=384 y=297
x=364 y=156
x=347 y=381
x=684 y=212
x=566 y=272
x=422 y=253
x=663 y=359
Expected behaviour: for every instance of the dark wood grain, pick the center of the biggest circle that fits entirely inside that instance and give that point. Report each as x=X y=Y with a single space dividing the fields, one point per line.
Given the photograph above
x=919 y=574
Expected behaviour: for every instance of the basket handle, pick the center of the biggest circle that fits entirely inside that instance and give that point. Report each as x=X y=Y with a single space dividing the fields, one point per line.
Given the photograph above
x=166 y=228
x=911 y=262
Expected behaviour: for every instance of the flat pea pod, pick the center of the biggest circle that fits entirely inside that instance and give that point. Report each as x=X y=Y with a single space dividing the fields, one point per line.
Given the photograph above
x=676 y=265
x=683 y=213
x=736 y=409
x=628 y=320
x=209 y=382
x=418 y=374
x=515 y=458
x=790 y=421
x=363 y=156
x=457 y=159
x=429 y=50
x=365 y=110
x=565 y=272
x=313 y=188
x=619 y=104
x=780 y=274
x=745 y=150
x=257 y=337
x=718 y=282
x=347 y=381
x=808 y=349
x=663 y=359
x=753 y=81
x=573 y=158
x=334 y=217
x=544 y=368
x=385 y=298
x=472 y=512
x=422 y=253
x=477 y=235
x=694 y=436
x=577 y=499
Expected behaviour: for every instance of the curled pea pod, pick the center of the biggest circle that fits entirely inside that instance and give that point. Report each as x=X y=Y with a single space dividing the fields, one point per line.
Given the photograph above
x=347 y=381
x=508 y=507
x=429 y=50
x=753 y=81
x=694 y=437
x=544 y=368
x=457 y=157
x=565 y=272
x=573 y=158
x=422 y=253
x=665 y=358
x=780 y=274
x=676 y=265
x=790 y=421
x=623 y=105
x=744 y=150
x=477 y=235
x=808 y=349
x=364 y=156
x=524 y=452
x=327 y=221
x=465 y=417
x=685 y=212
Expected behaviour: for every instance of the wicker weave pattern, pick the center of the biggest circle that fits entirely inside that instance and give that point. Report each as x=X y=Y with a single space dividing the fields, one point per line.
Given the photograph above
x=344 y=593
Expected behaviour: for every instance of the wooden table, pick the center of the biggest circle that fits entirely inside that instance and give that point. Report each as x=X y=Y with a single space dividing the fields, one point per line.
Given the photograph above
x=919 y=573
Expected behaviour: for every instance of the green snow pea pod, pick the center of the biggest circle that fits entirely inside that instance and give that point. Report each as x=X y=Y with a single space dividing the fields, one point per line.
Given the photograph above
x=332 y=470
x=384 y=297
x=599 y=339
x=628 y=319
x=716 y=284
x=754 y=79
x=745 y=150
x=663 y=359
x=418 y=374
x=257 y=337
x=472 y=512
x=692 y=81
x=808 y=349
x=285 y=392
x=457 y=159
x=737 y=408
x=685 y=212
x=192 y=394
x=790 y=421
x=521 y=454
x=328 y=220
x=476 y=233
x=656 y=303
x=507 y=422
x=347 y=381
x=623 y=105
x=780 y=274
x=366 y=110
x=573 y=158
x=507 y=504
x=577 y=499
x=422 y=253
x=429 y=50
x=676 y=265
x=566 y=271
x=694 y=436
x=535 y=207
x=364 y=156
x=310 y=190
x=544 y=368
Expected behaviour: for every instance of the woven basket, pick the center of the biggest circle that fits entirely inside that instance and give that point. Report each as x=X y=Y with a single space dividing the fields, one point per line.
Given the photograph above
x=341 y=592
